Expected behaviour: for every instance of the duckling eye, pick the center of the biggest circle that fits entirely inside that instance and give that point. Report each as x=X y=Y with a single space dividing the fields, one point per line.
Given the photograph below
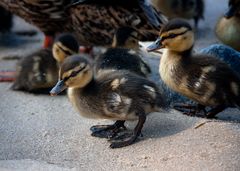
x=74 y=73
x=171 y=35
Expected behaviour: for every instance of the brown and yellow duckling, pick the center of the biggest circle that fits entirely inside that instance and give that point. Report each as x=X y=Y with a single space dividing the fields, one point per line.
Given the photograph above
x=124 y=54
x=92 y=22
x=202 y=78
x=188 y=9
x=64 y=45
x=228 y=27
x=116 y=95
x=38 y=72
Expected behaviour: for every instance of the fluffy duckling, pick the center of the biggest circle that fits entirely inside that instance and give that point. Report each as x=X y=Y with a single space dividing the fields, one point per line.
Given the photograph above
x=38 y=72
x=188 y=9
x=202 y=78
x=228 y=27
x=64 y=45
x=116 y=95
x=124 y=54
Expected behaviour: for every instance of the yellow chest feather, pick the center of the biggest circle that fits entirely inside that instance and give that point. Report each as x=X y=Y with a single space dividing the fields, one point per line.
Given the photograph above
x=167 y=69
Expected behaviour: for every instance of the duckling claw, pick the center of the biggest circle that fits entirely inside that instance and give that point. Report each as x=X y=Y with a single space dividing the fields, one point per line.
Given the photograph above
x=107 y=131
x=127 y=140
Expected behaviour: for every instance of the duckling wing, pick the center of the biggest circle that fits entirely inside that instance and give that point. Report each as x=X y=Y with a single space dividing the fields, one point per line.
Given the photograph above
x=141 y=92
x=122 y=59
x=118 y=104
x=212 y=79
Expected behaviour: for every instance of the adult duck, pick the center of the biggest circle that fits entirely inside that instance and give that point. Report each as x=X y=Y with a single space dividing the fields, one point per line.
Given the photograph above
x=93 y=22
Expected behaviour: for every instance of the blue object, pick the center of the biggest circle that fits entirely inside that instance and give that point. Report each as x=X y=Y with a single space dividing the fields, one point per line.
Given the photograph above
x=224 y=53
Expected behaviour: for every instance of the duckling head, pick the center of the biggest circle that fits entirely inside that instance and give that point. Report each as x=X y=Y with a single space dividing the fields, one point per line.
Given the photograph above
x=126 y=37
x=75 y=72
x=177 y=35
x=233 y=9
x=64 y=46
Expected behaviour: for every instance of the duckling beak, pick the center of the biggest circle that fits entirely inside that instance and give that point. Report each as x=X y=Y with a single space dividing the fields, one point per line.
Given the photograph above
x=155 y=46
x=58 y=88
x=230 y=12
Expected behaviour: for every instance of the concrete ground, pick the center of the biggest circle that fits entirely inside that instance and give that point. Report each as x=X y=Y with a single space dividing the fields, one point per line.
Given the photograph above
x=39 y=132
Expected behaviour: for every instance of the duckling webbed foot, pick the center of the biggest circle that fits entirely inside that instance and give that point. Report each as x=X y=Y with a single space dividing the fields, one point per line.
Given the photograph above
x=128 y=138
x=108 y=131
x=191 y=109
x=214 y=111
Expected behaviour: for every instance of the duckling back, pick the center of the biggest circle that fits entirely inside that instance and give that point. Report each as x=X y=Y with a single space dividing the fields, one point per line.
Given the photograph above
x=36 y=72
x=122 y=59
x=117 y=95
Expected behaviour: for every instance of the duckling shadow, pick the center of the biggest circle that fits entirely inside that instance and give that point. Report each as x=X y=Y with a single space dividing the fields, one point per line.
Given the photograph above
x=159 y=125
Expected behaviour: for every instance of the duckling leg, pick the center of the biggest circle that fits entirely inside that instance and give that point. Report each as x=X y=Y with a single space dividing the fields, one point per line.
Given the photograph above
x=130 y=138
x=190 y=109
x=107 y=131
x=214 y=111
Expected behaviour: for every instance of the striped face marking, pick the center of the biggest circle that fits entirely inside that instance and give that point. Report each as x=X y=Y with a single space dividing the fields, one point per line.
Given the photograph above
x=173 y=33
x=73 y=72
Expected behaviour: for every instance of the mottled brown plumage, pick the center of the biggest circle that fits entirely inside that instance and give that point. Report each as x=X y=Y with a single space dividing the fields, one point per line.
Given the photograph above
x=92 y=24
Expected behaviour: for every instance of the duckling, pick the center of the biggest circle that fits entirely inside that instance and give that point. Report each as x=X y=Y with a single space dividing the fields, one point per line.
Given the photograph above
x=124 y=54
x=188 y=9
x=117 y=95
x=64 y=45
x=202 y=78
x=228 y=27
x=92 y=22
x=38 y=72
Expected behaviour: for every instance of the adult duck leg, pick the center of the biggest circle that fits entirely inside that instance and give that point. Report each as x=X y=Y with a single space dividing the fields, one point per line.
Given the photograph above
x=48 y=41
x=129 y=139
x=107 y=131
x=150 y=13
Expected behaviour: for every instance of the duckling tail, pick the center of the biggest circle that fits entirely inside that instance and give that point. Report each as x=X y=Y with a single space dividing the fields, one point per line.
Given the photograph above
x=161 y=103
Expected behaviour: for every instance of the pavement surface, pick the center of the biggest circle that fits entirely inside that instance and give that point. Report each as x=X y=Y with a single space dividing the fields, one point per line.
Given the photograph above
x=39 y=132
